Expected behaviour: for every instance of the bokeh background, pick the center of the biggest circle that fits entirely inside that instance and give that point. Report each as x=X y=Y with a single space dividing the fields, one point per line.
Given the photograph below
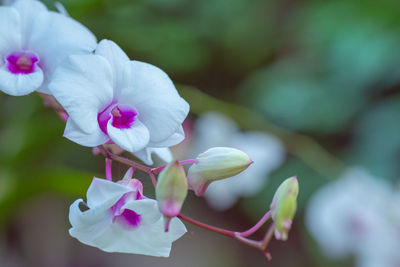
x=322 y=76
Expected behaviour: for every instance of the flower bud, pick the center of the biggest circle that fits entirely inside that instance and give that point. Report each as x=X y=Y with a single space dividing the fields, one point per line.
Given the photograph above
x=171 y=191
x=214 y=164
x=283 y=207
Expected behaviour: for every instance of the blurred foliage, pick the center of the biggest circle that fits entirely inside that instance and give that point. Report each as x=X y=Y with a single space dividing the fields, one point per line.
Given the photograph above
x=331 y=63
x=311 y=72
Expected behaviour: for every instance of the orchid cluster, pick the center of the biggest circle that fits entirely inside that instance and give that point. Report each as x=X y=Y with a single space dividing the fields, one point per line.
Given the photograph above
x=114 y=104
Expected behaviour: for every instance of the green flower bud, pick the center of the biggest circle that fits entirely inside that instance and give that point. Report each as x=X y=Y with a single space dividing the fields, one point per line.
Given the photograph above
x=283 y=207
x=171 y=191
x=214 y=164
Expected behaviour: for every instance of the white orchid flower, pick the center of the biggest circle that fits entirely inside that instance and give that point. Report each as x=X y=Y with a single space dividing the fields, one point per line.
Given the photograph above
x=110 y=98
x=33 y=42
x=119 y=218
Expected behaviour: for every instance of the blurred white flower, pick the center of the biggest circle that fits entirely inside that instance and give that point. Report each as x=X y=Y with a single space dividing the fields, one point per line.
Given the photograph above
x=119 y=218
x=267 y=152
x=356 y=214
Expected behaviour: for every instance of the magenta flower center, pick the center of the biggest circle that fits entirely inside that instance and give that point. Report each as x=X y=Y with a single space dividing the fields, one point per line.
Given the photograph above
x=22 y=62
x=127 y=218
x=122 y=117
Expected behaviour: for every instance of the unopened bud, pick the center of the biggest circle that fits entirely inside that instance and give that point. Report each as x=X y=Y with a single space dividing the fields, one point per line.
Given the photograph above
x=215 y=164
x=283 y=207
x=171 y=191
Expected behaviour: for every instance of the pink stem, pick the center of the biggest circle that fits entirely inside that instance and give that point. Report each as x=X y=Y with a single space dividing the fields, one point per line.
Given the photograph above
x=249 y=242
x=207 y=226
x=153 y=179
x=252 y=243
x=123 y=160
x=257 y=226
x=183 y=162
x=108 y=169
x=268 y=236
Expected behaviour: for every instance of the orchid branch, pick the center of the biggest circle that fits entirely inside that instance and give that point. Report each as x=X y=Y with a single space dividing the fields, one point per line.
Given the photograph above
x=109 y=157
x=240 y=236
x=257 y=226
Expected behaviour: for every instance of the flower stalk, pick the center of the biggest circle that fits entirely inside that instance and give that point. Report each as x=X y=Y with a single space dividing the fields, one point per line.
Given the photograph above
x=108 y=169
x=239 y=236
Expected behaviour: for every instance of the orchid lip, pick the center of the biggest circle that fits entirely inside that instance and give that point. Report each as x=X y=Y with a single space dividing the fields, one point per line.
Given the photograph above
x=22 y=62
x=128 y=218
x=122 y=116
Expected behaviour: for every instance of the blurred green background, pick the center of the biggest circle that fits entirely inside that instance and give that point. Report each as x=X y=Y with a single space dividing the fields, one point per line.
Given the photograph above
x=310 y=72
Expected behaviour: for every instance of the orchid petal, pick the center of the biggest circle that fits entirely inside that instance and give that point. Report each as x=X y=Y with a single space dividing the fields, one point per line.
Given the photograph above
x=10 y=40
x=172 y=140
x=145 y=154
x=164 y=153
x=78 y=217
x=20 y=84
x=132 y=139
x=29 y=11
x=83 y=86
x=88 y=224
x=115 y=56
x=104 y=193
x=146 y=208
x=145 y=239
x=149 y=90
x=75 y=134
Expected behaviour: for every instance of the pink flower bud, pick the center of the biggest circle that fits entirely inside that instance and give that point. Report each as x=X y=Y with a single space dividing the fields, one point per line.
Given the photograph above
x=283 y=207
x=215 y=164
x=171 y=191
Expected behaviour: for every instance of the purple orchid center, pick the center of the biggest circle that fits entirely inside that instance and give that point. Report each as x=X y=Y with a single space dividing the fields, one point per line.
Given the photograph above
x=22 y=62
x=123 y=116
x=128 y=218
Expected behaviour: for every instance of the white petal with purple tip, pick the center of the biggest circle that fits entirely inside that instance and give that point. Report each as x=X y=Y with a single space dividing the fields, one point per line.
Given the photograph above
x=19 y=84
